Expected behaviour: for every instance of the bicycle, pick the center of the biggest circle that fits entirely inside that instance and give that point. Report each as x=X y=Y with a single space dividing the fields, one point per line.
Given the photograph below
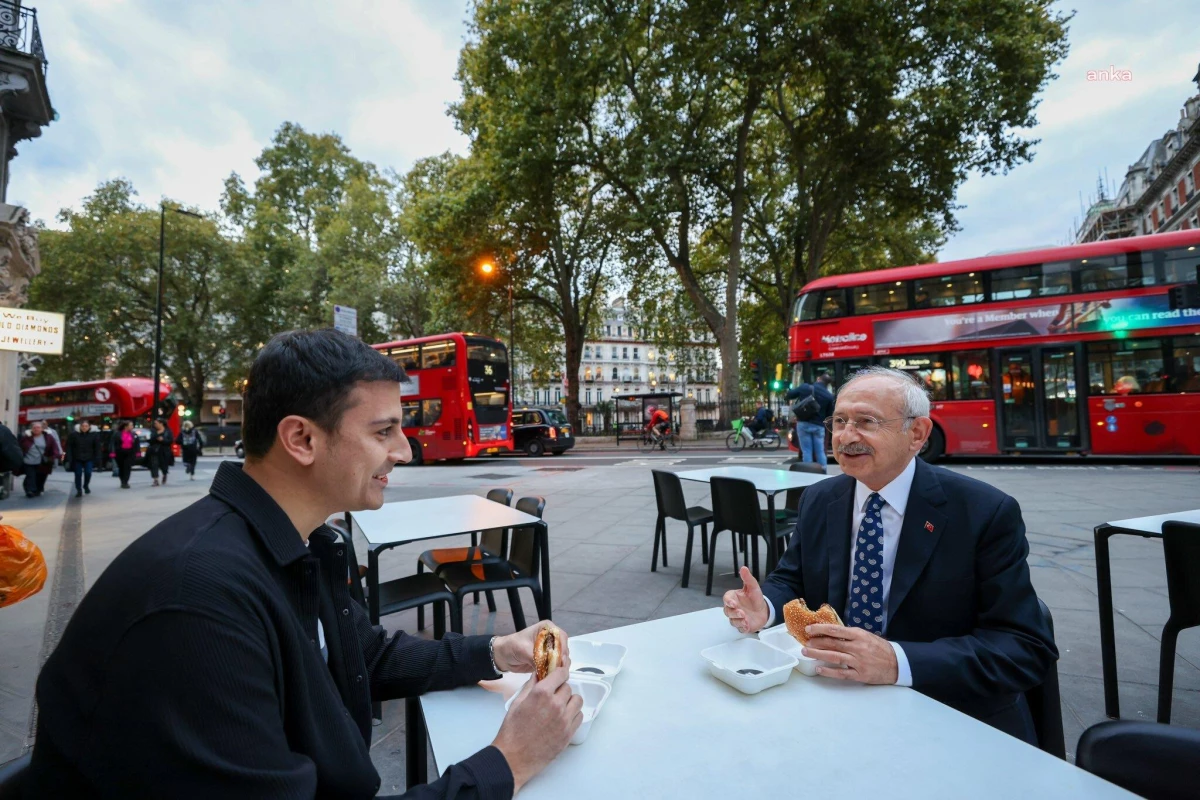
x=742 y=438
x=651 y=441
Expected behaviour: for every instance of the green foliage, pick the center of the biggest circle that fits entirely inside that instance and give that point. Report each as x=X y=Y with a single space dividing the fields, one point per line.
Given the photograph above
x=101 y=271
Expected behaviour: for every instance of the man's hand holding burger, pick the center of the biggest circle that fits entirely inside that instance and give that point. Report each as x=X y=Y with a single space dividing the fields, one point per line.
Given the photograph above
x=545 y=714
x=515 y=652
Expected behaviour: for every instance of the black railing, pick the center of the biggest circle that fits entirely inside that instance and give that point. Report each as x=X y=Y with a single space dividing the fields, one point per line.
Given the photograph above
x=19 y=31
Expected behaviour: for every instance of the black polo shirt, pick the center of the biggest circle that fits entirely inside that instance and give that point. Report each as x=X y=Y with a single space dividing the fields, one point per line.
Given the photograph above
x=192 y=669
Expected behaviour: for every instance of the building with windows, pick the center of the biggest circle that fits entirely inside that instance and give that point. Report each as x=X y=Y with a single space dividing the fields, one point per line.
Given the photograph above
x=623 y=362
x=1158 y=193
x=24 y=110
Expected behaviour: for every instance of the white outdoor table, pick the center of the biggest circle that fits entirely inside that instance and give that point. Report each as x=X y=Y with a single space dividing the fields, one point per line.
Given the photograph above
x=766 y=480
x=396 y=524
x=670 y=729
x=1146 y=527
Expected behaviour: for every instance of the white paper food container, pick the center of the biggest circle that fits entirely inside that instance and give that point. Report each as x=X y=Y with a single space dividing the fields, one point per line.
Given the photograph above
x=596 y=660
x=779 y=638
x=725 y=661
x=594 y=694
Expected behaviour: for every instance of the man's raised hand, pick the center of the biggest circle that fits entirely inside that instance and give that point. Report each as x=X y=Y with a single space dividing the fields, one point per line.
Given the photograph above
x=746 y=608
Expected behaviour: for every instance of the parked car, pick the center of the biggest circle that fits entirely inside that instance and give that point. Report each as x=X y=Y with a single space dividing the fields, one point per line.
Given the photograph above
x=541 y=429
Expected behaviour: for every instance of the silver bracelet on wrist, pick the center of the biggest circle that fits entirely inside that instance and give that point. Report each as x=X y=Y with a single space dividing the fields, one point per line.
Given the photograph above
x=492 y=655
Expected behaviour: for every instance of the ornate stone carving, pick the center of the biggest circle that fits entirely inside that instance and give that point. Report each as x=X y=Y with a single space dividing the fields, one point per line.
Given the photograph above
x=19 y=257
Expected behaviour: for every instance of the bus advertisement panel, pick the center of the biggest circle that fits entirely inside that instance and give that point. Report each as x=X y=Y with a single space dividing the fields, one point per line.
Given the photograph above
x=1073 y=349
x=457 y=401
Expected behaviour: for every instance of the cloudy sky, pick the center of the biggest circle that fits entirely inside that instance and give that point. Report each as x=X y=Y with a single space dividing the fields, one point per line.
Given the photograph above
x=176 y=94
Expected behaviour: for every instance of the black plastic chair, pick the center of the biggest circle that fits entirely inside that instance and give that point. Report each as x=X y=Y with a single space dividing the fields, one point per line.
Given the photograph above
x=12 y=777
x=668 y=493
x=1181 y=549
x=489 y=548
x=791 y=501
x=1151 y=760
x=1045 y=703
x=735 y=509
x=519 y=571
x=401 y=594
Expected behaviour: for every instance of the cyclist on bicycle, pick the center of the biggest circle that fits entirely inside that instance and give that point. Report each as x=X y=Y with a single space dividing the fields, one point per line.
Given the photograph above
x=659 y=422
x=762 y=420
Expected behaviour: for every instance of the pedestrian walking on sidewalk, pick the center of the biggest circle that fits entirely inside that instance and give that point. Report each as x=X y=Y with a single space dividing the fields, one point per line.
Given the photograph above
x=158 y=452
x=126 y=448
x=41 y=454
x=191 y=442
x=84 y=451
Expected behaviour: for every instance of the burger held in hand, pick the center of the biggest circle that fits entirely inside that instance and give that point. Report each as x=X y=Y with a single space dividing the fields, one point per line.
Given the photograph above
x=547 y=651
x=798 y=616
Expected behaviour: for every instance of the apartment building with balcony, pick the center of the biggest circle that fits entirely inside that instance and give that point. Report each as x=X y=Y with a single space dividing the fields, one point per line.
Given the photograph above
x=1159 y=192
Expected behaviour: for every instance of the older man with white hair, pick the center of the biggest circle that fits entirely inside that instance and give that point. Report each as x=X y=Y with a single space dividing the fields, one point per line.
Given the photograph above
x=926 y=567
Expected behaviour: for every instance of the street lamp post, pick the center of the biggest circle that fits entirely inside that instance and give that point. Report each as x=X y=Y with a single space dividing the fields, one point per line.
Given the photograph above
x=158 y=300
x=488 y=268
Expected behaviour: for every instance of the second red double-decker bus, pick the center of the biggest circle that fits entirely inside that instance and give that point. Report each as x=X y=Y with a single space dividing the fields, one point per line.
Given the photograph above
x=457 y=401
x=105 y=401
x=1063 y=350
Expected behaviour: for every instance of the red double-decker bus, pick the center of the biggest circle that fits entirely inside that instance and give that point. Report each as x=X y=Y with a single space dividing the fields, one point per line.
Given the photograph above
x=1063 y=350
x=106 y=401
x=457 y=401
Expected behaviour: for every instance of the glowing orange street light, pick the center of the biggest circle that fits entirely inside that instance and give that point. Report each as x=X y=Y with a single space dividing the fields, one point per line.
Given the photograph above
x=488 y=269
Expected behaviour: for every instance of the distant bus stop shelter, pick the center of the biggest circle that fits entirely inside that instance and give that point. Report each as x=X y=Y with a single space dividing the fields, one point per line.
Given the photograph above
x=647 y=400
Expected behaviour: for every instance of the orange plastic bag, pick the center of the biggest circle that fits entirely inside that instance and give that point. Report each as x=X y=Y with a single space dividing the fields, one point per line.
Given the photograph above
x=22 y=568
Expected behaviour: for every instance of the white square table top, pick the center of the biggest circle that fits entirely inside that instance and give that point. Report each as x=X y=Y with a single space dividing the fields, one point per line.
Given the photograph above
x=769 y=481
x=670 y=729
x=1154 y=525
x=414 y=520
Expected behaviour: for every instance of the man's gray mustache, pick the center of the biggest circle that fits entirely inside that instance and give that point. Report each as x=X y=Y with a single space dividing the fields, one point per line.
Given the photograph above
x=855 y=450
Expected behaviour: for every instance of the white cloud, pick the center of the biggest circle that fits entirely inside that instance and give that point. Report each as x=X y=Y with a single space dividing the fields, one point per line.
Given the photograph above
x=177 y=96
x=1087 y=128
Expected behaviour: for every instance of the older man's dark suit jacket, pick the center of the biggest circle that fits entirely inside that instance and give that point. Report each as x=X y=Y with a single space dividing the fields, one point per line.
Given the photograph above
x=961 y=603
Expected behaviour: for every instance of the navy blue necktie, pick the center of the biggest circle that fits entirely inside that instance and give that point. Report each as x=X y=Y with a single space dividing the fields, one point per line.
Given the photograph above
x=866 y=590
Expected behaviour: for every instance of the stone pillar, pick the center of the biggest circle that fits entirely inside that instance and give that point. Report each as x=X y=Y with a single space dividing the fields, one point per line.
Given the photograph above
x=687 y=419
x=19 y=263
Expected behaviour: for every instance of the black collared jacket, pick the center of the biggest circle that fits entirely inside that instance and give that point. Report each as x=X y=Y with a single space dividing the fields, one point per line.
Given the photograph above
x=191 y=669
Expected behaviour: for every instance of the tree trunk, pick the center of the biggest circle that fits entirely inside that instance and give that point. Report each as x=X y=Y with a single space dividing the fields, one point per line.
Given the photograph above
x=574 y=354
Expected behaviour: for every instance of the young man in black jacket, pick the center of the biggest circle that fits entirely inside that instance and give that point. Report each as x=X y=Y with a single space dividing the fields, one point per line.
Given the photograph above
x=219 y=656
x=84 y=451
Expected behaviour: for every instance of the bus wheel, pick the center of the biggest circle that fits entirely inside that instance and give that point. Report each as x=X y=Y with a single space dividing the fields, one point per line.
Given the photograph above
x=418 y=457
x=534 y=447
x=935 y=445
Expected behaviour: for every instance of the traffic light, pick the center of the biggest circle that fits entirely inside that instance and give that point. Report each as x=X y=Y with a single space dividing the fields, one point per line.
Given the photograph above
x=756 y=371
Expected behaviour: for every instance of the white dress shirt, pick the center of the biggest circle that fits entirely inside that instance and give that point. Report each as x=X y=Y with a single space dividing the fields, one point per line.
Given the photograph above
x=895 y=498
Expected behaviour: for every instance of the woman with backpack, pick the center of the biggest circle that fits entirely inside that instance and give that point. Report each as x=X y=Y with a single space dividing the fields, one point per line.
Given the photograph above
x=813 y=403
x=190 y=443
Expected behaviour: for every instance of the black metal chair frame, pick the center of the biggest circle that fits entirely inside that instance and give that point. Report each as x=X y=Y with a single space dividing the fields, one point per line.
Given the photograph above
x=401 y=594
x=751 y=527
x=1150 y=759
x=668 y=494
x=1045 y=703
x=491 y=548
x=1181 y=550
x=521 y=570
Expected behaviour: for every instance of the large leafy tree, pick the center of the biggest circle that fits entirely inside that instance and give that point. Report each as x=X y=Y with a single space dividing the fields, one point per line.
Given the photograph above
x=101 y=271
x=877 y=111
x=559 y=214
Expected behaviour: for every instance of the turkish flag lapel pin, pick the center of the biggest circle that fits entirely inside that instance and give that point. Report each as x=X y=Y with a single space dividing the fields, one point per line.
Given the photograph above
x=929 y=527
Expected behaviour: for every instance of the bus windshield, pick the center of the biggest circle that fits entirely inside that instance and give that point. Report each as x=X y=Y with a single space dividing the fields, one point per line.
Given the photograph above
x=487 y=374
